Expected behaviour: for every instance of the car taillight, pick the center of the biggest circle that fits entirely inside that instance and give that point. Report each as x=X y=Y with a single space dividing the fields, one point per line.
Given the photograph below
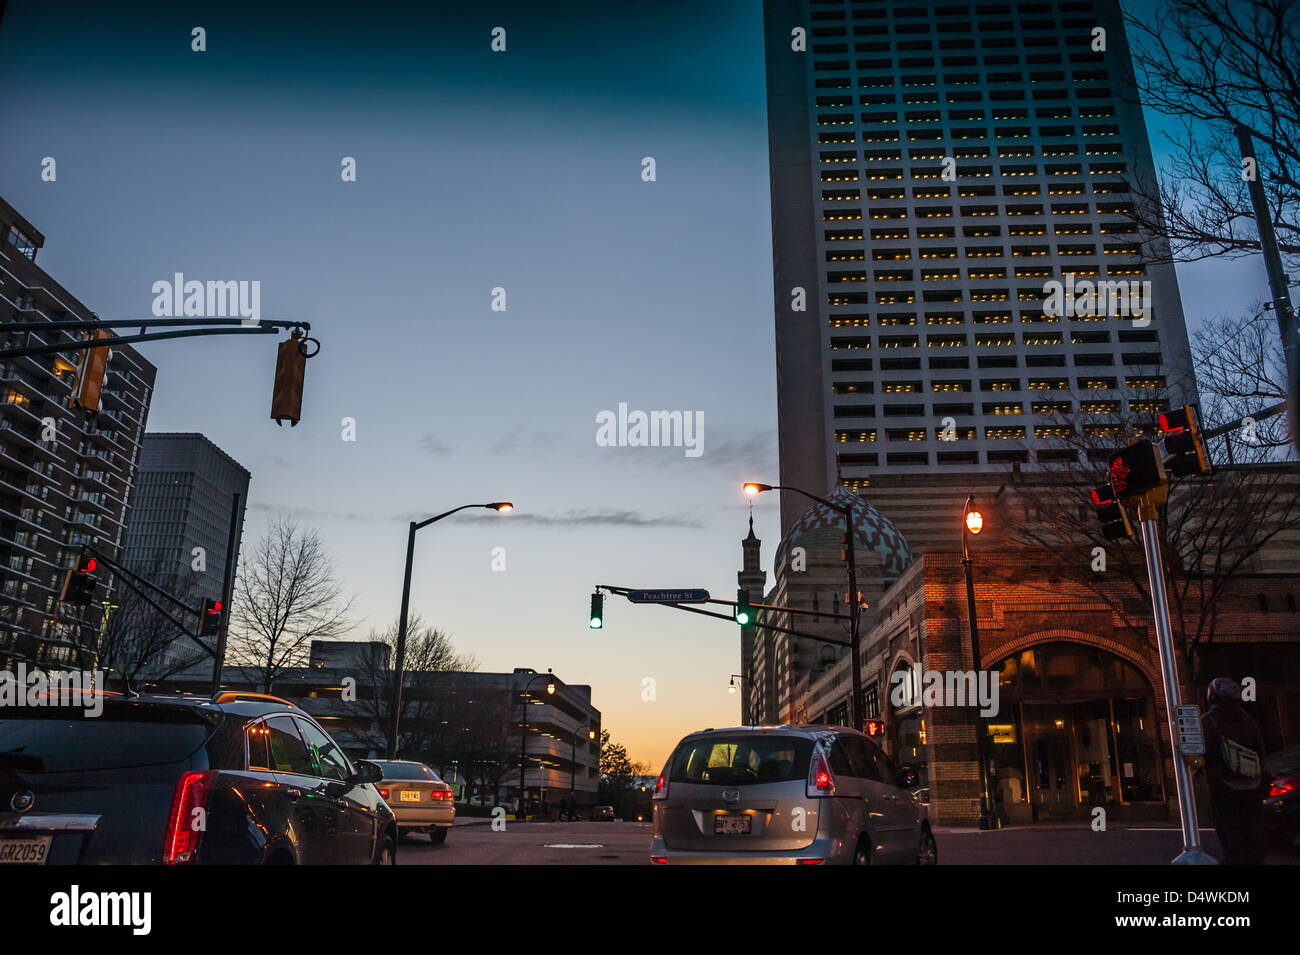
x=820 y=780
x=659 y=860
x=661 y=787
x=383 y=793
x=1281 y=786
x=187 y=820
x=440 y=794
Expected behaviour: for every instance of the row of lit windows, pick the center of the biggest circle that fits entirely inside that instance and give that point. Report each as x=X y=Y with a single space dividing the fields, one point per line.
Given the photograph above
x=1019 y=151
x=968 y=432
x=1092 y=383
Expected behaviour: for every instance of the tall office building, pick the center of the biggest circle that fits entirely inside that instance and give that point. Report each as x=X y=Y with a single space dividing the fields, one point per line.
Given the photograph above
x=180 y=514
x=65 y=474
x=935 y=166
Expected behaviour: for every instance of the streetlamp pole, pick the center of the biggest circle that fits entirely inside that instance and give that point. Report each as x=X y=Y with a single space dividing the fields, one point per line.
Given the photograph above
x=523 y=738
x=395 y=719
x=855 y=703
x=731 y=688
x=972 y=523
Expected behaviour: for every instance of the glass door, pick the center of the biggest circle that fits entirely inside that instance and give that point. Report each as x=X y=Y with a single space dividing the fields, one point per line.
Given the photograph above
x=1049 y=746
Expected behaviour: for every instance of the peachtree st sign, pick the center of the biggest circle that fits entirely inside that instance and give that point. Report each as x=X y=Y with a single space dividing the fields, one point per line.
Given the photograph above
x=668 y=596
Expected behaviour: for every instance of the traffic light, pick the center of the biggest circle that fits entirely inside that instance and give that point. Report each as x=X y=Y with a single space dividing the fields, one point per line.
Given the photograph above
x=597 y=611
x=875 y=727
x=1136 y=470
x=743 y=612
x=210 y=618
x=1183 y=443
x=92 y=374
x=290 y=367
x=79 y=585
x=1114 y=519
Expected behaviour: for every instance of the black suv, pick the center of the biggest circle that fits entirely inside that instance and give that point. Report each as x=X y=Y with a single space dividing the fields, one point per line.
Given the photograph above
x=236 y=779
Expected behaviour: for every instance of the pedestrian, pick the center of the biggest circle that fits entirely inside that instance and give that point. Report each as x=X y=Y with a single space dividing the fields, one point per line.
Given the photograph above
x=564 y=808
x=1234 y=750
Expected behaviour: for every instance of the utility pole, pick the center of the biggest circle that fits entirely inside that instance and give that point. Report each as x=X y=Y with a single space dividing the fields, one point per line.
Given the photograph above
x=1277 y=281
x=1148 y=509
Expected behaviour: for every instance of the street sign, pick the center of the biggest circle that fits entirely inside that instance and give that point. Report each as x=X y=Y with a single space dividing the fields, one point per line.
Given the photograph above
x=668 y=596
x=1190 y=740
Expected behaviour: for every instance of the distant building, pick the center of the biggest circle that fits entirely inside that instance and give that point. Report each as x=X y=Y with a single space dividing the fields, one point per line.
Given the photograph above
x=468 y=726
x=181 y=510
x=66 y=474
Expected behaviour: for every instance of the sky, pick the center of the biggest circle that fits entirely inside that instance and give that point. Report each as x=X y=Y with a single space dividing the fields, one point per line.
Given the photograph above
x=476 y=170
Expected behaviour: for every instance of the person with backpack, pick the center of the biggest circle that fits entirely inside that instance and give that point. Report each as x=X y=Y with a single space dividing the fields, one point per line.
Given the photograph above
x=1234 y=751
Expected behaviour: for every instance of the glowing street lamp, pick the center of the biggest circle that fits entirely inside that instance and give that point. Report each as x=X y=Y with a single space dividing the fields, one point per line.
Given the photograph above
x=973 y=523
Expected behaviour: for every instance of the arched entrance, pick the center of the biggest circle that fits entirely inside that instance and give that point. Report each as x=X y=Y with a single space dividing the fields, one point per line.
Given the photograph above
x=1076 y=729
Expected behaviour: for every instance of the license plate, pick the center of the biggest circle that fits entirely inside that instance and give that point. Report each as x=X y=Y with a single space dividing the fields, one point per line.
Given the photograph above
x=737 y=825
x=24 y=851
x=410 y=795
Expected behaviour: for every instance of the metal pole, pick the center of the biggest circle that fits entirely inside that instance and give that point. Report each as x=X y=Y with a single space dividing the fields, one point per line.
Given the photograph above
x=987 y=818
x=1192 y=853
x=855 y=710
x=227 y=588
x=523 y=751
x=401 y=644
x=1277 y=282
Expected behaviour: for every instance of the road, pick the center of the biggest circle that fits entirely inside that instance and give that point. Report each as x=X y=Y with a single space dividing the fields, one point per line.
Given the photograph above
x=628 y=843
x=534 y=843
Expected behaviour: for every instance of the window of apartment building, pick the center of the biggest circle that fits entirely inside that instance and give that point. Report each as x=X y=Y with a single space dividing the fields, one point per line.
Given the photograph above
x=22 y=243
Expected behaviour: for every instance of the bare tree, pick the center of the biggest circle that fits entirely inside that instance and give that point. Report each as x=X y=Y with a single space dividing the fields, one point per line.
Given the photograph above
x=430 y=714
x=1213 y=529
x=1216 y=65
x=140 y=642
x=286 y=595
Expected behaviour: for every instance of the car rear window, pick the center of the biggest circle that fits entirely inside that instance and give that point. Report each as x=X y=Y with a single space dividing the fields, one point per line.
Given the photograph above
x=55 y=741
x=741 y=760
x=408 y=771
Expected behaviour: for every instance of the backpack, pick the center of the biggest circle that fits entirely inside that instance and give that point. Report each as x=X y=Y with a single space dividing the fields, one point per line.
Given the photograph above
x=1242 y=764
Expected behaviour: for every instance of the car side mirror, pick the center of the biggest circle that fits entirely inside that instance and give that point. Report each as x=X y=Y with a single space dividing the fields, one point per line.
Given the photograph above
x=367 y=772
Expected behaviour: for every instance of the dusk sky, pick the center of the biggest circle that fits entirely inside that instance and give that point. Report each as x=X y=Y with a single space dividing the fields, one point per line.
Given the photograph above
x=475 y=170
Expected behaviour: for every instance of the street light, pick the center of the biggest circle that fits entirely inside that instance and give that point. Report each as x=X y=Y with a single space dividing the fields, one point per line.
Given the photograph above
x=500 y=507
x=855 y=703
x=732 y=688
x=523 y=735
x=973 y=523
x=573 y=764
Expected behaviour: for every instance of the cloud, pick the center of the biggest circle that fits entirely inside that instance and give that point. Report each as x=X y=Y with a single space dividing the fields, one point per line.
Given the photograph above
x=605 y=518
x=428 y=442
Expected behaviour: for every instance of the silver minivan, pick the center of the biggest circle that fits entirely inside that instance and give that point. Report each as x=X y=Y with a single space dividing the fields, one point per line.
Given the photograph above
x=787 y=794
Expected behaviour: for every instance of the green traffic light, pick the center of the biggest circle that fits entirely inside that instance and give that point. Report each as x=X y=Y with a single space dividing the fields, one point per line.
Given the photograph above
x=596 y=619
x=742 y=618
x=596 y=623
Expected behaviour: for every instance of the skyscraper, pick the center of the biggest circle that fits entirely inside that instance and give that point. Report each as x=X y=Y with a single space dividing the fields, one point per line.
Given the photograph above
x=936 y=167
x=180 y=514
x=65 y=473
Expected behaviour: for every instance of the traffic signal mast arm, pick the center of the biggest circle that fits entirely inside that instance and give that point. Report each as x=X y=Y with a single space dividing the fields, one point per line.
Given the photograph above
x=624 y=591
x=188 y=329
x=134 y=581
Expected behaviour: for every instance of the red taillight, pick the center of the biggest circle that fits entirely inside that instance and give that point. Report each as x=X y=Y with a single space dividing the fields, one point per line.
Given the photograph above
x=383 y=793
x=820 y=780
x=440 y=794
x=187 y=820
x=659 y=860
x=1281 y=786
x=811 y=861
x=661 y=787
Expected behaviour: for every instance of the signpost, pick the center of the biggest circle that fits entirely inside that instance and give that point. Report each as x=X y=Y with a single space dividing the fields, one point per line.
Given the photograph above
x=1190 y=740
x=668 y=596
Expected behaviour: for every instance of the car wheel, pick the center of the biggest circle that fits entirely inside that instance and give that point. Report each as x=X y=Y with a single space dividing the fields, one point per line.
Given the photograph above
x=438 y=836
x=928 y=854
x=387 y=854
x=862 y=854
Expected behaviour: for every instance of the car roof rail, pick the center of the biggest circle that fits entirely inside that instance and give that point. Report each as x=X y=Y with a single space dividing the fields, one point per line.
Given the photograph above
x=234 y=696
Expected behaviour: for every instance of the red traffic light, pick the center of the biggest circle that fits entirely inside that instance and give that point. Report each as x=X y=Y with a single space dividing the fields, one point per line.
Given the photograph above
x=215 y=608
x=1136 y=470
x=875 y=727
x=1102 y=497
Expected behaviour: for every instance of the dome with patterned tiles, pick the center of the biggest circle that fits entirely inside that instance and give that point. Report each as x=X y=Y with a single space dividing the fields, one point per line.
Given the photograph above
x=821 y=526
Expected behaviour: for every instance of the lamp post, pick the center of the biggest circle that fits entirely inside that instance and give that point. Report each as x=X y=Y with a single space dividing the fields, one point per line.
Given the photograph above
x=573 y=764
x=972 y=523
x=855 y=704
x=523 y=736
x=499 y=506
x=732 y=688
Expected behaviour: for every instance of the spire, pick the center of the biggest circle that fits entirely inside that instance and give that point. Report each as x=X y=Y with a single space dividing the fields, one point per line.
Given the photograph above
x=751 y=536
